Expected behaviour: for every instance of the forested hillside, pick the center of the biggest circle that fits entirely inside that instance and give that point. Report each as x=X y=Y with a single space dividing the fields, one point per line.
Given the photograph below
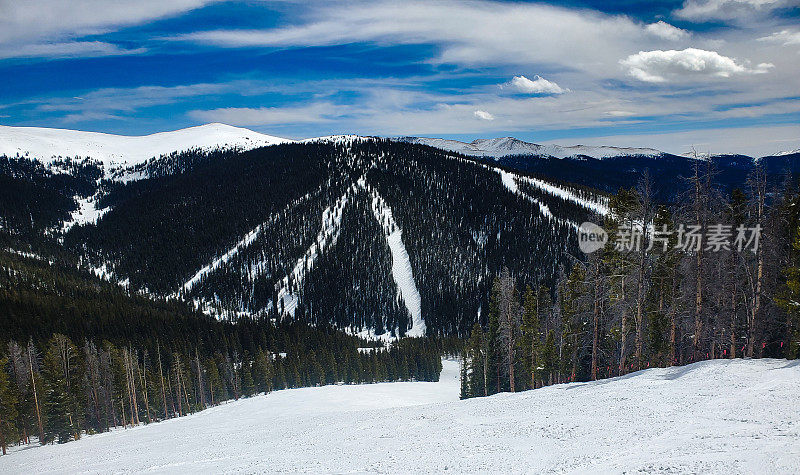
x=305 y=232
x=712 y=276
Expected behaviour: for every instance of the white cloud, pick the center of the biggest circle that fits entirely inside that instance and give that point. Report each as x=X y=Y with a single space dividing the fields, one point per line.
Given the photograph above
x=666 y=31
x=662 y=66
x=132 y=99
x=538 y=85
x=52 y=28
x=701 y=10
x=786 y=37
x=483 y=115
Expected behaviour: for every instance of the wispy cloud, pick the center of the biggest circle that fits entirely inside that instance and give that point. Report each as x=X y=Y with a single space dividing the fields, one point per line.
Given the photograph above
x=703 y=10
x=316 y=113
x=55 y=28
x=785 y=37
x=478 y=32
x=70 y=49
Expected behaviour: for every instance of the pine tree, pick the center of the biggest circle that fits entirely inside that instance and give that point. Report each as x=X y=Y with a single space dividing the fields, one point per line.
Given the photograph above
x=8 y=407
x=529 y=342
x=60 y=378
x=475 y=358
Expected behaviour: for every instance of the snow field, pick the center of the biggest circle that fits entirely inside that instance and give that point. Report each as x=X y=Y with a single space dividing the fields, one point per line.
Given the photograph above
x=719 y=416
x=119 y=150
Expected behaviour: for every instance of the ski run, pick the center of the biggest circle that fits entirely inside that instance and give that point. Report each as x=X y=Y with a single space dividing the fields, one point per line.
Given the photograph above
x=289 y=286
x=717 y=416
x=247 y=240
x=510 y=180
x=331 y=227
x=327 y=236
x=402 y=273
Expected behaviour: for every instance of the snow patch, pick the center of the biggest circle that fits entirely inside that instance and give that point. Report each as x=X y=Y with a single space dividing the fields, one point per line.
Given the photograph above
x=87 y=212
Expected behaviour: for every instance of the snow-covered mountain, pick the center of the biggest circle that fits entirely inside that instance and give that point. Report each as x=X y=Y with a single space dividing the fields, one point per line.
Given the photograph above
x=47 y=144
x=505 y=146
x=787 y=152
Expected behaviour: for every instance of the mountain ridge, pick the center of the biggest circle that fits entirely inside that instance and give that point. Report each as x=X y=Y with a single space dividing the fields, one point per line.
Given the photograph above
x=49 y=144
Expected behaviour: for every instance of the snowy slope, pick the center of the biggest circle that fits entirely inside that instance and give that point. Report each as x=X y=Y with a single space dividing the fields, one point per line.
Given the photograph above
x=505 y=146
x=87 y=212
x=327 y=236
x=718 y=416
x=243 y=243
x=787 y=152
x=402 y=273
x=118 y=150
x=510 y=182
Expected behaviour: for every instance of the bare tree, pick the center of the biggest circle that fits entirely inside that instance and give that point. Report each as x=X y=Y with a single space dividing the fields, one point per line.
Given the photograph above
x=644 y=216
x=509 y=308
x=758 y=187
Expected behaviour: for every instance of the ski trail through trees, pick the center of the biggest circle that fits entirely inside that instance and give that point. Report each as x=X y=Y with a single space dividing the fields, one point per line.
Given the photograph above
x=402 y=273
x=290 y=285
x=509 y=180
x=248 y=239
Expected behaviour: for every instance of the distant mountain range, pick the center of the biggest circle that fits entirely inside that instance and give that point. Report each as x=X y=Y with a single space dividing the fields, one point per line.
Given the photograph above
x=505 y=146
x=47 y=144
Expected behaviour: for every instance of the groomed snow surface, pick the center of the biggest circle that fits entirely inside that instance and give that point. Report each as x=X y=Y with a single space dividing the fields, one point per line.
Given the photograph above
x=718 y=416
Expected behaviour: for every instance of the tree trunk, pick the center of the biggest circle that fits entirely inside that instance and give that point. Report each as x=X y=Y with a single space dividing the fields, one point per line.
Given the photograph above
x=751 y=332
x=161 y=376
x=200 y=379
x=36 y=399
x=143 y=385
x=596 y=319
x=733 y=322
x=2 y=435
x=624 y=331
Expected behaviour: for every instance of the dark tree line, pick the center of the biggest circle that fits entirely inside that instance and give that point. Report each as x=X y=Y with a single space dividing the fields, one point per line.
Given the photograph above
x=79 y=355
x=668 y=301
x=57 y=391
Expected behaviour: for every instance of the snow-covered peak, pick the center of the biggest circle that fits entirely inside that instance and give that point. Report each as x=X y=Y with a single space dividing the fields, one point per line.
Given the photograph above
x=338 y=139
x=505 y=146
x=787 y=152
x=121 y=150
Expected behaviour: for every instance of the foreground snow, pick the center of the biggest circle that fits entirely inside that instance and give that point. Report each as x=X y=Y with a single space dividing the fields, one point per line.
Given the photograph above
x=714 y=416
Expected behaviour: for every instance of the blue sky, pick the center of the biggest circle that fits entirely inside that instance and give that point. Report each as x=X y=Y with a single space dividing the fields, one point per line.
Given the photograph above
x=720 y=75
